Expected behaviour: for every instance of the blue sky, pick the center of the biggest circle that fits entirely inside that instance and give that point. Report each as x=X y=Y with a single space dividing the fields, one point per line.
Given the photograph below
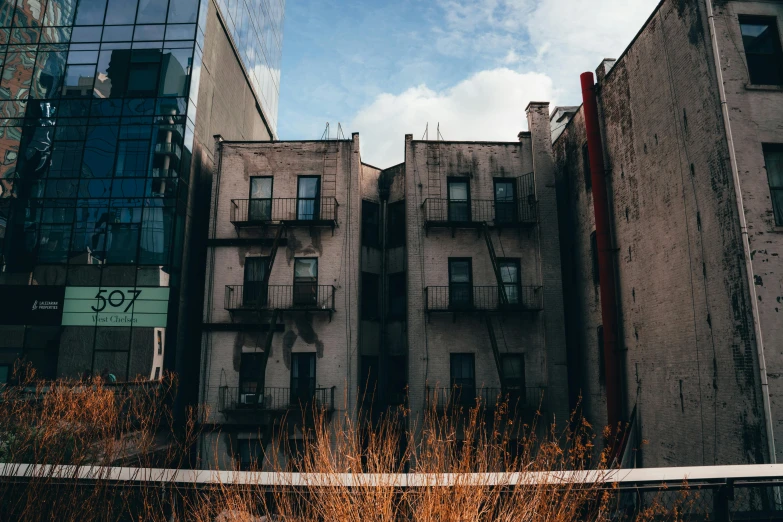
x=385 y=69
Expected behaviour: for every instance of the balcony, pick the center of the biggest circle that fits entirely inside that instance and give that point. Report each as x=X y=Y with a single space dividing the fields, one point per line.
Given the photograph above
x=315 y=212
x=168 y=149
x=465 y=298
x=521 y=399
x=232 y=400
x=475 y=213
x=302 y=297
x=164 y=173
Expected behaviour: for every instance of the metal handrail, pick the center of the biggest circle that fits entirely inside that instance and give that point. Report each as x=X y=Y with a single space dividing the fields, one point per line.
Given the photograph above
x=477 y=211
x=275 y=399
x=526 y=397
x=302 y=296
x=266 y=210
x=459 y=297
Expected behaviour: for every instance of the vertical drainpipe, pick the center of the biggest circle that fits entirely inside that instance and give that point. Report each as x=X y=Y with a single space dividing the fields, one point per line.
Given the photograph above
x=605 y=256
x=745 y=243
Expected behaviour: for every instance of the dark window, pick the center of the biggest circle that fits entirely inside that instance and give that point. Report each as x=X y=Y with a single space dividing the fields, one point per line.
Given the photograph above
x=66 y=159
x=308 y=198
x=460 y=283
x=513 y=366
x=505 y=201
x=594 y=258
x=398 y=379
x=260 y=204
x=305 y=281
x=395 y=224
x=586 y=167
x=463 y=377
x=368 y=383
x=251 y=454
x=5 y=373
x=143 y=79
x=762 y=49
x=132 y=158
x=255 y=291
x=398 y=301
x=370 y=287
x=370 y=223
x=459 y=199
x=302 y=377
x=250 y=366
x=509 y=272
x=773 y=160
x=601 y=357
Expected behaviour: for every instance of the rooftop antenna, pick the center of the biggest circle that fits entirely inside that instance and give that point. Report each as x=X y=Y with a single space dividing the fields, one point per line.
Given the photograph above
x=325 y=135
x=340 y=131
x=440 y=136
x=426 y=135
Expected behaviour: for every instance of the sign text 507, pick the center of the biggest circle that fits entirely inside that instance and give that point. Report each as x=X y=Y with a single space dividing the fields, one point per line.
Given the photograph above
x=115 y=299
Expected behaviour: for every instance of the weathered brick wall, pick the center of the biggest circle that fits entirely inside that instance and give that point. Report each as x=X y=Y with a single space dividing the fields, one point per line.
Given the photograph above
x=689 y=356
x=433 y=339
x=757 y=118
x=334 y=341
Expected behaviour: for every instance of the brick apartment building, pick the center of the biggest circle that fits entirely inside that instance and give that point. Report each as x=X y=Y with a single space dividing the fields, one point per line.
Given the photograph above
x=695 y=228
x=331 y=282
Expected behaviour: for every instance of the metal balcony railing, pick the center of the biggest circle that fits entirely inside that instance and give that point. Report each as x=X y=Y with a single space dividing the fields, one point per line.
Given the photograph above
x=305 y=211
x=474 y=212
x=301 y=296
x=168 y=148
x=234 y=399
x=521 y=398
x=466 y=298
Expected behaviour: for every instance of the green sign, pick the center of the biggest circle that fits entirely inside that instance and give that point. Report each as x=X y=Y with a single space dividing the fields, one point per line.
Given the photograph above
x=115 y=306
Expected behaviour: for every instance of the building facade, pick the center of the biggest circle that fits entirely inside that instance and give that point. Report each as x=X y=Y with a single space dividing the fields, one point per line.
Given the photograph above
x=332 y=283
x=106 y=105
x=694 y=207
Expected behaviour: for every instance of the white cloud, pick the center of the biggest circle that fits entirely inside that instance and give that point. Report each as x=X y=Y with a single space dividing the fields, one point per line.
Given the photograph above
x=488 y=106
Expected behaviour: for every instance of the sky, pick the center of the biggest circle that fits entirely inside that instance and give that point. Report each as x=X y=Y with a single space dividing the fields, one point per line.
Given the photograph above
x=390 y=68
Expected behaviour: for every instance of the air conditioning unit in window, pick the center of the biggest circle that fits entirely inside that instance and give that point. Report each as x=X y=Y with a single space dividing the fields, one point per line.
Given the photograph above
x=249 y=398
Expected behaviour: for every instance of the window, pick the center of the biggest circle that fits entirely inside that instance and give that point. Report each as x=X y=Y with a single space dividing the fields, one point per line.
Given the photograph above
x=586 y=167
x=398 y=379
x=302 y=378
x=459 y=199
x=305 y=281
x=5 y=373
x=460 y=283
x=251 y=454
x=398 y=301
x=308 y=198
x=601 y=356
x=132 y=158
x=368 y=383
x=773 y=160
x=370 y=223
x=157 y=373
x=513 y=366
x=505 y=201
x=395 y=224
x=762 y=50
x=260 y=204
x=463 y=377
x=509 y=272
x=370 y=287
x=250 y=367
x=594 y=257
x=66 y=159
x=255 y=291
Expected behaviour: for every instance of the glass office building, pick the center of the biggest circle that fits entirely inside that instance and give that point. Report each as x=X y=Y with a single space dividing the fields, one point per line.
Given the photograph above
x=98 y=109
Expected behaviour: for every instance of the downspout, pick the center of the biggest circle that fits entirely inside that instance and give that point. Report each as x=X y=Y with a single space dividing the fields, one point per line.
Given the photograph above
x=744 y=232
x=605 y=255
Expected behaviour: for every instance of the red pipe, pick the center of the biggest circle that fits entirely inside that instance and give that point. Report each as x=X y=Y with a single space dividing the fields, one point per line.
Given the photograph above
x=605 y=256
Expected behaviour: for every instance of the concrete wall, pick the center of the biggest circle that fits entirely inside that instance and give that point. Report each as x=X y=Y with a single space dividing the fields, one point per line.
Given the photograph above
x=432 y=339
x=756 y=119
x=686 y=336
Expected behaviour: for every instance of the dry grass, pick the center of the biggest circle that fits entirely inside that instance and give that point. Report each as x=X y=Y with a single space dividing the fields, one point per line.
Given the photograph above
x=85 y=424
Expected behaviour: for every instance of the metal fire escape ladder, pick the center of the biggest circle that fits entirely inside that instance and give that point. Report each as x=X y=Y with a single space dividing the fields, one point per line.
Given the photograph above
x=273 y=319
x=503 y=301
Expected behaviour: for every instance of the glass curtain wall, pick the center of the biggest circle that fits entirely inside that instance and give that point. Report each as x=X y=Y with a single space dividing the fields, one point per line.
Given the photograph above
x=96 y=130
